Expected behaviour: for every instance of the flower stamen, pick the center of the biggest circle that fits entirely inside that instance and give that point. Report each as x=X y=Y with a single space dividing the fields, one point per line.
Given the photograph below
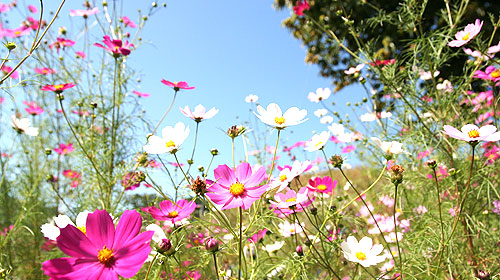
x=473 y=133
x=361 y=256
x=105 y=255
x=279 y=120
x=236 y=188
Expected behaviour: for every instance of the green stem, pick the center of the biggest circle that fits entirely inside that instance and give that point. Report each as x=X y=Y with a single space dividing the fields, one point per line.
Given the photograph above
x=274 y=157
x=396 y=230
x=240 y=248
x=440 y=216
x=150 y=265
x=215 y=264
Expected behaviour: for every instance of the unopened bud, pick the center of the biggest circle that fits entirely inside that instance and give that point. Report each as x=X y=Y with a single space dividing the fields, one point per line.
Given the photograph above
x=214 y=152
x=299 y=251
x=48 y=151
x=337 y=161
x=10 y=45
x=212 y=245
x=397 y=174
x=165 y=247
x=431 y=163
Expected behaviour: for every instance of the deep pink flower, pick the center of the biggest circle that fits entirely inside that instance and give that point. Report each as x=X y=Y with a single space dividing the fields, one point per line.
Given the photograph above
x=298 y=144
x=2 y=99
x=6 y=70
x=64 y=149
x=348 y=149
x=44 y=71
x=84 y=13
x=425 y=153
x=177 y=85
x=128 y=23
x=383 y=62
x=300 y=7
x=173 y=212
x=491 y=153
x=238 y=188
x=32 y=9
x=140 y=94
x=322 y=185
x=464 y=36
x=33 y=108
x=57 y=88
x=80 y=54
x=102 y=252
x=68 y=173
x=258 y=236
x=61 y=43
x=491 y=73
x=116 y=46
x=470 y=133
x=33 y=23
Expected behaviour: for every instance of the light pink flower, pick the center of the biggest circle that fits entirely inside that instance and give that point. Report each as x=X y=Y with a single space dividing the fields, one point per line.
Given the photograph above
x=239 y=188
x=290 y=202
x=6 y=70
x=348 y=149
x=470 y=132
x=496 y=207
x=288 y=173
x=33 y=108
x=494 y=49
x=32 y=9
x=140 y=94
x=420 y=210
x=103 y=252
x=61 y=43
x=127 y=22
x=44 y=71
x=80 y=54
x=199 y=113
x=84 y=13
x=477 y=54
x=464 y=36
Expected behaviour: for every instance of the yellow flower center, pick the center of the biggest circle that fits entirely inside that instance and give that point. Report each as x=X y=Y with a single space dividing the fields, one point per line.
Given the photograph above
x=279 y=120
x=495 y=74
x=17 y=32
x=236 y=189
x=173 y=214
x=170 y=144
x=58 y=87
x=466 y=37
x=361 y=256
x=292 y=230
x=319 y=144
x=321 y=187
x=282 y=178
x=83 y=229
x=292 y=199
x=473 y=133
x=105 y=255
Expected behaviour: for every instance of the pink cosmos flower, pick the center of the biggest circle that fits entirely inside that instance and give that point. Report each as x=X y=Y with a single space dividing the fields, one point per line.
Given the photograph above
x=173 y=212
x=33 y=23
x=425 y=153
x=322 y=185
x=127 y=22
x=386 y=200
x=32 y=9
x=103 y=251
x=2 y=99
x=258 y=236
x=84 y=13
x=57 y=88
x=140 y=94
x=298 y=144
x=116 y=46
x=177 y=85
x=239 y=188
x=441 y=173
x=300 y=7
x=420 y=210
x=61 y=43
x=464 y=36
x=16 y=32
x=44 y=71
x=33 y=108
x=64 y=149
x=491 y=73
x=348 y=149
x=80 y=54
x=81 y=113
x=470 y=133
x=288 y=173
x=494 y=49
x=496 y=207
x=6 y=70
x=199 y=113
x=290 y=202
x=383 y=62
x=74 y=183
x=477 y=54
x=68 y=173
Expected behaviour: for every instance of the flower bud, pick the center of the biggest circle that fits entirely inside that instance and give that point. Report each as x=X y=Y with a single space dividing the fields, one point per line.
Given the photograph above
x=299 y=250
x=397 y=174
x=314 y=210
x=337 y=161
x=212 y=245
x=199 y=186
x=48 y=151
x=452 y=171
x=431 y=163
x=190 y=161
x=214 y=152
x=165 y=247
x=10 y=45
x=93 y=105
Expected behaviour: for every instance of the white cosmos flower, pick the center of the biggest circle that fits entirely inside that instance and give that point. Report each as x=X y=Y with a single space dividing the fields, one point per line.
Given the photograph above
x=445 y=86
x=320 y=112
x=51 y=230
x=286 y=229
x=354 y=70
x=172 y=138
x=23 y=126
x=273 y=116
x=199 y=113
x=273 y=247
x=251 y=98
x=288 y=174
x=392 y=147
x=317 y=142
x=364 y=252
x=326 y=119
x=370 y=117
x=321 y=94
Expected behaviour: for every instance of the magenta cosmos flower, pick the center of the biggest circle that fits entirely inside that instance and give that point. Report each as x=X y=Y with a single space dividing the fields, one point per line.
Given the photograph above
x=101 y=251
x=300 y=7
x=322 y=185
x=64 y=149
x=33 y=108
x=57 y=88
x=239 y=188
x=44 y=71
x=140 y=94
x=128 y=22
x=173 y=212
x=177 y=85
x=116 y=46
x=471 y=133
x=490 y=73
x=290 y=202
x=464 y=36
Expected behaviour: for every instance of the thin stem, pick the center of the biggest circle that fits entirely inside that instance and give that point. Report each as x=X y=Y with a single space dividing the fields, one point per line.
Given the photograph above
x=396 y=229
x=274 y=157
x=164 y=115
x=240 y=248
x=440 y=216
x=215 y=264
x=232 y=149
x=150 y=265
